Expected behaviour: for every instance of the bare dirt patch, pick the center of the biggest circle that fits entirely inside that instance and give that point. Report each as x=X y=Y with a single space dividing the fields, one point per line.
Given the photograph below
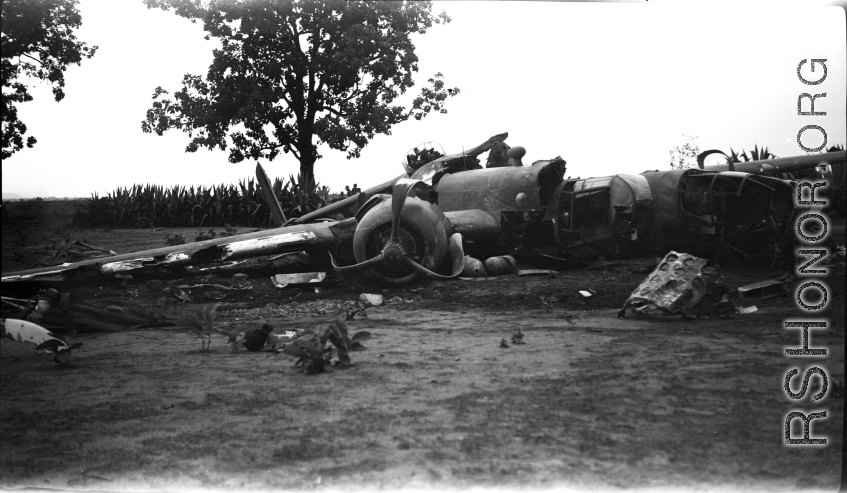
x=590 y=401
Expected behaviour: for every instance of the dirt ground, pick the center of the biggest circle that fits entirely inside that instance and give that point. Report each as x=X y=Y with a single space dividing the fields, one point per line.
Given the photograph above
x=590 y=401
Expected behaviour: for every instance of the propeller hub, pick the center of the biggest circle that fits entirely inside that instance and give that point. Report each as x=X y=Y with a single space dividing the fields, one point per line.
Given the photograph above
x=393 y=253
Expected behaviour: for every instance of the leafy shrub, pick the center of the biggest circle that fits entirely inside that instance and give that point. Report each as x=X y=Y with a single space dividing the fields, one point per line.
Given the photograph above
x=203 y=235
x=174 y=239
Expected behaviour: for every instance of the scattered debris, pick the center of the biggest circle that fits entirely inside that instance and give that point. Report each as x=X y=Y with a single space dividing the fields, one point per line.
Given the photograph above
x=274 y=341
x=282 y=281
x=218 y=268
x=241 y=281
x=744 y=310
x=242 y=287
x=538 y=272
x=473 y=268
x=764 y=289
x=179 y=293
x=517 y=337
x=283 y=255
x=43 y=339
x=368 y=300
x=680 y=284
x=587 y=294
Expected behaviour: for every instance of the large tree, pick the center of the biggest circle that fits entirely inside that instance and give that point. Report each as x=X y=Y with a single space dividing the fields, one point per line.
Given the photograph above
x=38 y=43
x=288 y=72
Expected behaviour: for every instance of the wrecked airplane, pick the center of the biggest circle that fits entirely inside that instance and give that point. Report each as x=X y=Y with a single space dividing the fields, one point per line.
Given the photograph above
x=421 y=223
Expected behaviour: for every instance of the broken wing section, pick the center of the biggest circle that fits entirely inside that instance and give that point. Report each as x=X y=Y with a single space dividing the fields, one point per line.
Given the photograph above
x=320 y=237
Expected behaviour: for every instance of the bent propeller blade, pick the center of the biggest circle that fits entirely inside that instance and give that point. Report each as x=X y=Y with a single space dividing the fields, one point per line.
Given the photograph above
x=350 y=270
x=456 y=251
x=267 y=192
x=402 y=189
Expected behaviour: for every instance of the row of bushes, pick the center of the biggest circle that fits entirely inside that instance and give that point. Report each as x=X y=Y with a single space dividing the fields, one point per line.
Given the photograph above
x=146 y=206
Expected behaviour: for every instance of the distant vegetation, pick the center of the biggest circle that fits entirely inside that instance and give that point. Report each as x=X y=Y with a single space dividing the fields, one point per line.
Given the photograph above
x=147 y=206
x=13 y=197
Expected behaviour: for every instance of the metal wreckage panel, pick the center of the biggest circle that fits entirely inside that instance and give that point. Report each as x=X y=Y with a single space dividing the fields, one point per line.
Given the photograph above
x=680 y=284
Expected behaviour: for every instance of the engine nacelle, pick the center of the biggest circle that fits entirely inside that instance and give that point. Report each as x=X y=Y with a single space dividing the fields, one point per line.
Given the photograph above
x=422 y=236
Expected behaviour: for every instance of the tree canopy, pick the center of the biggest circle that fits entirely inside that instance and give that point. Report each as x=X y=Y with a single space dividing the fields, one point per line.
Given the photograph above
x=287 y=72
x=684 y=154
x=38 y=42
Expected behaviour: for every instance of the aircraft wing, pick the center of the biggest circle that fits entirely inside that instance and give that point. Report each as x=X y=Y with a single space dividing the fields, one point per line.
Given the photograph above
x=261 y=243
x=782 y=165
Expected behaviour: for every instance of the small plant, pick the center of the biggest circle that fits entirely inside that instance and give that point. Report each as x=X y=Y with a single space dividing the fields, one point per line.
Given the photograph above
x=203 y=325
x=314 y=356
x=174 y=239
x=203 y=235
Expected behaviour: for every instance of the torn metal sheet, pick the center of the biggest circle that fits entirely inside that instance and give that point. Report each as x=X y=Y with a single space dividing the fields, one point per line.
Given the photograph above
x=680 y=284
x=41 y=338
x=587 y=294
x=138 y=263
x=281 y=281
x=764 y=289
x=222 y=267
x=264 y=245
x=47 y=275
x=125 y=265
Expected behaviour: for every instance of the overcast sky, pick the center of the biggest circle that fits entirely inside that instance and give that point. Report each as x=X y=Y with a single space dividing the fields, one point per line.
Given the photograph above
x=610 y=87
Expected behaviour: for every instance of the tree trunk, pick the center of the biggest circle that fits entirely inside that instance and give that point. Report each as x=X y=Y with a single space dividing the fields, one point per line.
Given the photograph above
x=308 y=156
x=307 y=173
